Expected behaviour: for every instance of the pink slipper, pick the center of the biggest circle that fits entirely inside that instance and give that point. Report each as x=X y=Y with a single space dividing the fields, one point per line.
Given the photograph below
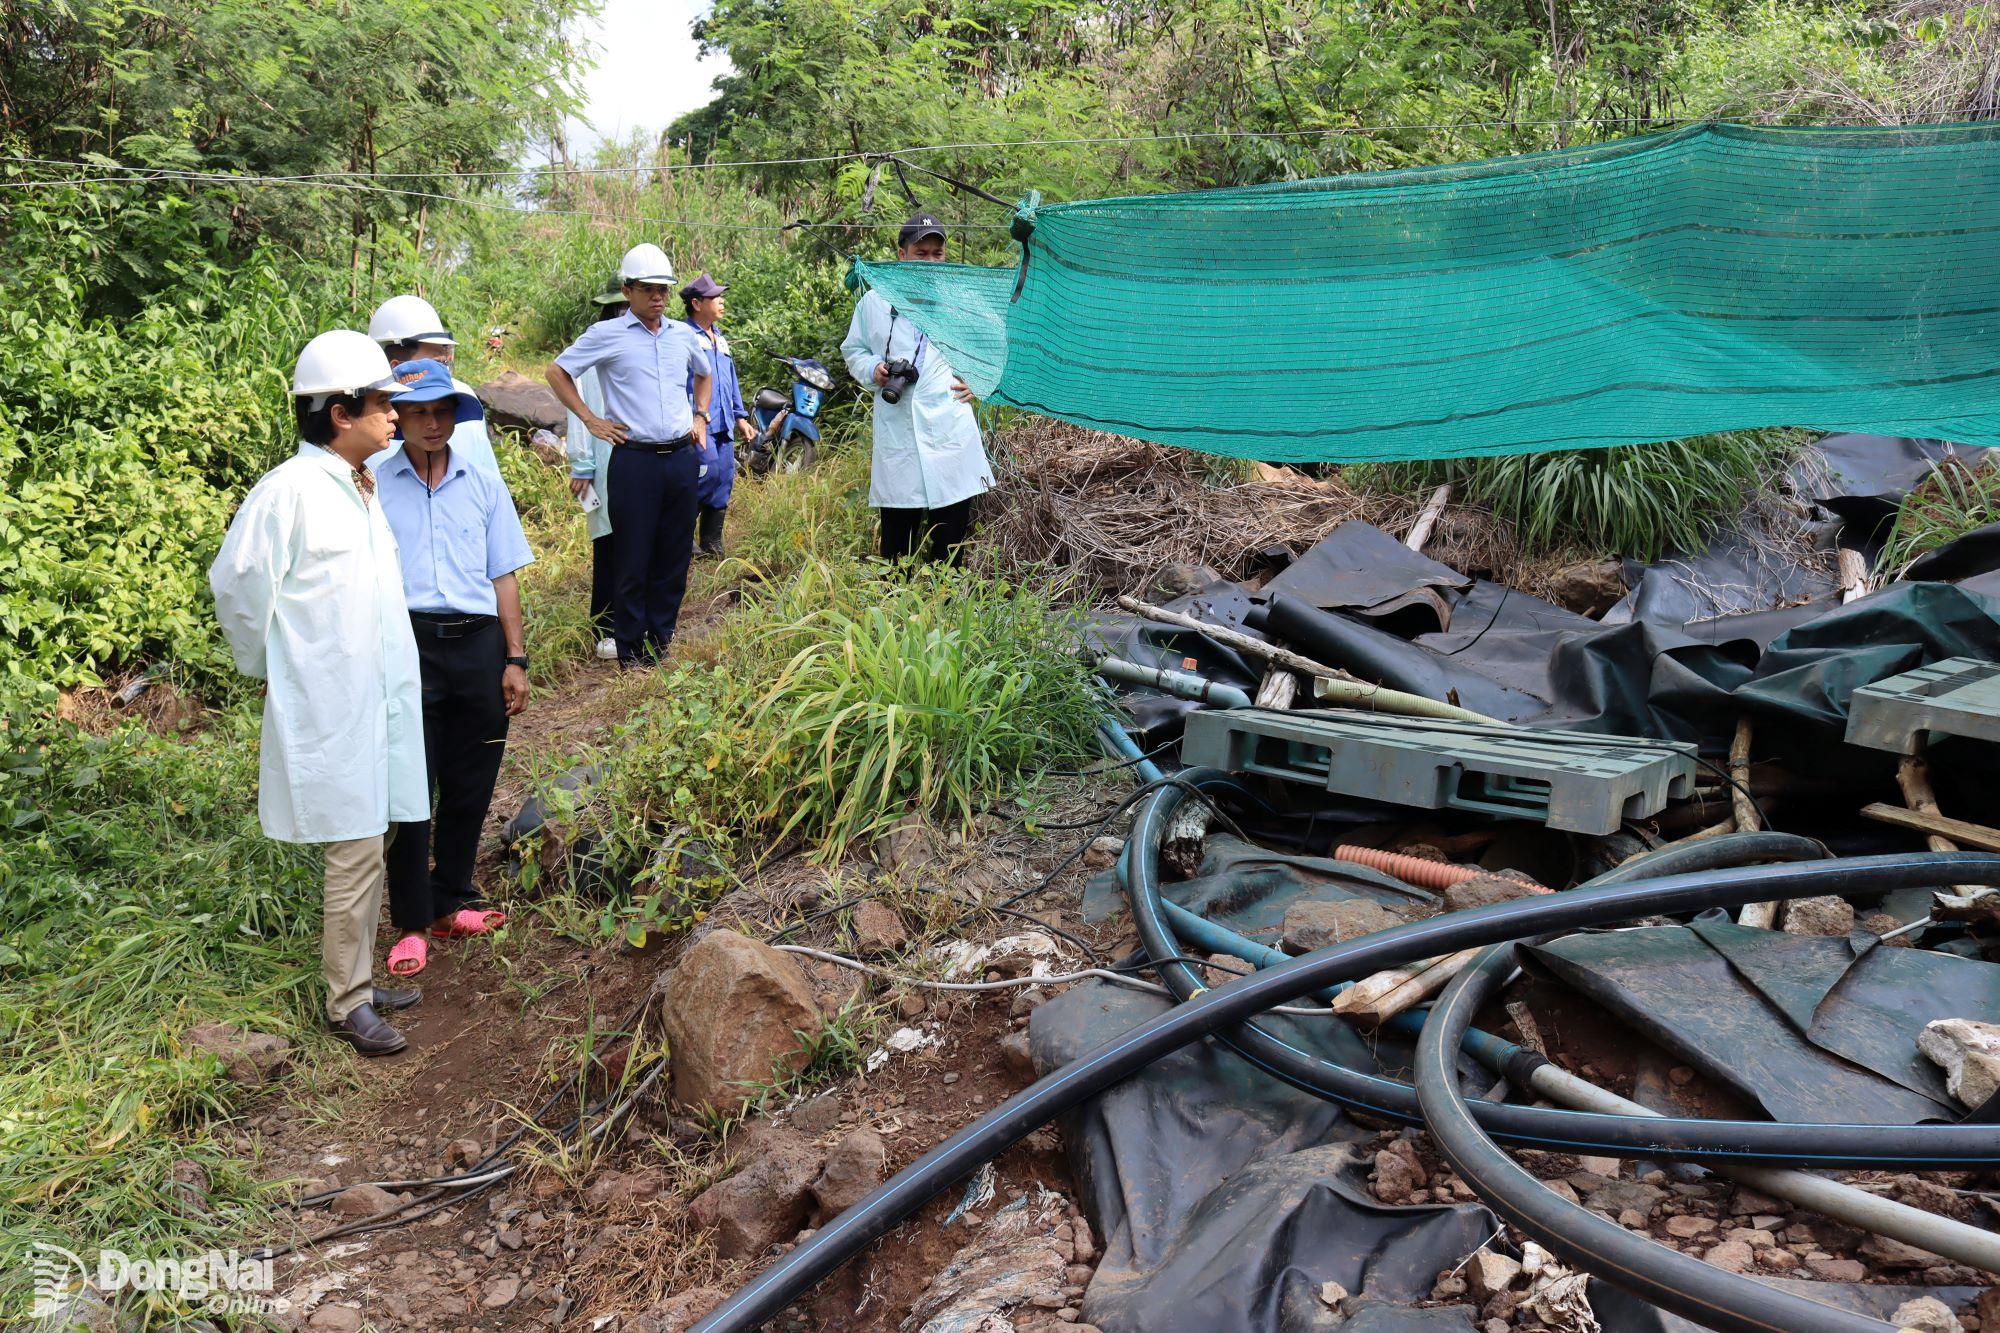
x=468 y=921
x=408 y=956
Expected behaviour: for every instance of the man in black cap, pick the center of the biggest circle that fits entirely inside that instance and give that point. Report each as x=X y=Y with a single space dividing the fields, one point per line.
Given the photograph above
x=928 y=463
x=728 y=416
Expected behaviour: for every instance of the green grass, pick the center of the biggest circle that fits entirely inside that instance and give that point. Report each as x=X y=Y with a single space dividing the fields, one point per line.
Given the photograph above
x=137 y=899
x=1953 y=500
x=1636 y=499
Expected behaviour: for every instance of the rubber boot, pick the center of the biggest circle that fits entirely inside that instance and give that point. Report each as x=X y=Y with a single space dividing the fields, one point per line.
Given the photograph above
x=709 y=530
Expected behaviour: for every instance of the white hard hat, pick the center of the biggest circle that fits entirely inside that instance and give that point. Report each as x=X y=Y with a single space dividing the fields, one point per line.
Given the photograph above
x=343 y=361
x=646 y=263
x=408 y=319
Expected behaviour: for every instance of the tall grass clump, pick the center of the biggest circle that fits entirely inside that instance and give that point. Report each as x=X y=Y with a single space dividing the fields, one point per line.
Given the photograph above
x=835 y=704
x=1953 y=500
x=929 y=690
x=1635 y=499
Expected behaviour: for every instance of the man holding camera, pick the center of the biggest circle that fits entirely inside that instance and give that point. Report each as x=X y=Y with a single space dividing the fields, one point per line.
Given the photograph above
x=929 y=463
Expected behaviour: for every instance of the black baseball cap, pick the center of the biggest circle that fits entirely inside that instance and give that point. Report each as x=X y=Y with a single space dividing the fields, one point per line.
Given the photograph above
x=918 y=227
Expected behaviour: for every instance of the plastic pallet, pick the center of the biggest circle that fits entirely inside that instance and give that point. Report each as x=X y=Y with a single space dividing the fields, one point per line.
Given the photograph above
x=1567 y=780
x=1959 y=696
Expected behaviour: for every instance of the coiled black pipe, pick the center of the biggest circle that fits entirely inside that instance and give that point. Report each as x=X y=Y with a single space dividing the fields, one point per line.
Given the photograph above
x=1852 y=1147
x=1712 y=1297
x=1227 y=1007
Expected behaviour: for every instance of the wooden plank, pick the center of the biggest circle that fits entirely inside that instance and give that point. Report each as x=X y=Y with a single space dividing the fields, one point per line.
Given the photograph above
x=1958 y=830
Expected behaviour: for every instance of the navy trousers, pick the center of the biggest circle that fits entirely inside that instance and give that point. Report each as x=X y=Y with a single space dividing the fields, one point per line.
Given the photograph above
x=465 y=734
x=652 y=534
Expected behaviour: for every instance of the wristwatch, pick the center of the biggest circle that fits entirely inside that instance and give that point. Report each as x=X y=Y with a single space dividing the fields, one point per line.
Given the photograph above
x=520 y=662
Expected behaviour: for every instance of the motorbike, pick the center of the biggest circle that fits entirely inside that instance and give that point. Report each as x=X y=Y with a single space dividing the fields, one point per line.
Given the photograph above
x=787 y=437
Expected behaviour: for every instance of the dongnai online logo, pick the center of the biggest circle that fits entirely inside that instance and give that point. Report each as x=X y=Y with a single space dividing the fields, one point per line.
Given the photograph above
x=219 y=1282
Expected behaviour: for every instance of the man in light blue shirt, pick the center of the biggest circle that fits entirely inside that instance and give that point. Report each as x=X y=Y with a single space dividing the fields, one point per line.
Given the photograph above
x=646 y=364
x=460 y=544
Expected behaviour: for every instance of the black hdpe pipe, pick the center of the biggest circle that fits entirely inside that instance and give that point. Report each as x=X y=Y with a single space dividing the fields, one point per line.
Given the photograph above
x=1229 y=1006
x=1846 y=1147
x=1713 y=1297
x=1372 y=654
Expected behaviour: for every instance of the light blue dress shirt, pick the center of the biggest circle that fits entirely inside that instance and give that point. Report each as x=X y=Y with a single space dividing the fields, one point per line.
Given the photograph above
x=455 y=540
x=645 y=374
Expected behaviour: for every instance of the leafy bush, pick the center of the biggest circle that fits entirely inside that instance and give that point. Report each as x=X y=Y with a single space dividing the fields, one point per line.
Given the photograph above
x=1636 y=499
x=1953 y=500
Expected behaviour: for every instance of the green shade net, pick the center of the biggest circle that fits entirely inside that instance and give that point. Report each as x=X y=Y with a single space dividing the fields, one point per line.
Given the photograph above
x=1713 y=278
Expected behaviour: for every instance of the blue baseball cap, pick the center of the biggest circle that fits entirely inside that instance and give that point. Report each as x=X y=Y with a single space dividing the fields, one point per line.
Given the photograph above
x=426 y=381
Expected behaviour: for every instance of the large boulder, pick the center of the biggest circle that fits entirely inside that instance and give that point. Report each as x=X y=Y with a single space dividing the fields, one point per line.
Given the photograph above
x=515 y=400
x=249 y=1058
x=734 y=1012
x=765 y=1203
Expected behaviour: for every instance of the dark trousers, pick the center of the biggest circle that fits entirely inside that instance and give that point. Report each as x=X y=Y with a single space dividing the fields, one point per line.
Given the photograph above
x=465 y=733
x=652 y=531
x=603 y=580
x=904 y=529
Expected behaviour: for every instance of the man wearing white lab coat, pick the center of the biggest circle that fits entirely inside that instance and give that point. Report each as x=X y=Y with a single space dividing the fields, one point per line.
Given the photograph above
x=309 y=591
x=929 y=463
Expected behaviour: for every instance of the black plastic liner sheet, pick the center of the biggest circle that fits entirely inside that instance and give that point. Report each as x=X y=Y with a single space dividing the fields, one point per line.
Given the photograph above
x=1813 y=1030
x=1226 y=1199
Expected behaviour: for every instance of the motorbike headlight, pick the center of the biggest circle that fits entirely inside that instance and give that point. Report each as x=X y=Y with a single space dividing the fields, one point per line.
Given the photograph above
x=816 y=377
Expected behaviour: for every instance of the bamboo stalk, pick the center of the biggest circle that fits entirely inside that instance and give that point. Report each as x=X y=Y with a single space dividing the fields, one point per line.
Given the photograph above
x=1377 y=999
x=1427 y=517
x=1278 y=689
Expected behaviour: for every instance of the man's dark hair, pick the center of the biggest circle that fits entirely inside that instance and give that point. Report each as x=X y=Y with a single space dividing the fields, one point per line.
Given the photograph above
x=316 y=424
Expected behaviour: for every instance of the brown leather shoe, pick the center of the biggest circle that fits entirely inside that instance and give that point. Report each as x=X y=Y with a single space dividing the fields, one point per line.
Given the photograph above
x=388 y=999
x=364 y=1030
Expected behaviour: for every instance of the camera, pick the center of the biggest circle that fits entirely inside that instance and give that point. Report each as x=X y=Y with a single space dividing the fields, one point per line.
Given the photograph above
x=898 y=376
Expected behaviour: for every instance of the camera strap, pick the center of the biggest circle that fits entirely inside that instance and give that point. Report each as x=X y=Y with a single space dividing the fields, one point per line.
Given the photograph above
x=916 y=356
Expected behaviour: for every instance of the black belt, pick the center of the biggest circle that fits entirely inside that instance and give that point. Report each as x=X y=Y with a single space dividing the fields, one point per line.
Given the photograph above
x=660 y=446
x=449 y=624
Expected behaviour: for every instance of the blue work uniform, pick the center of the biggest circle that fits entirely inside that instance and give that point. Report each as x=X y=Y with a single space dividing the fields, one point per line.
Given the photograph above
x=725 y=409
x=453 y=540
x=653 y=476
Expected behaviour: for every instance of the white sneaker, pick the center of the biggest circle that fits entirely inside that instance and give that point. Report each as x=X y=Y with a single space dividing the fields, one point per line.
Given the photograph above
x=607 y=649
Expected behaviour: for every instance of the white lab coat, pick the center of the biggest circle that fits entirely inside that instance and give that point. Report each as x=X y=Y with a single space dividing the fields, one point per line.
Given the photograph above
x=927 y=448
x=589 y=456
x=310 y=595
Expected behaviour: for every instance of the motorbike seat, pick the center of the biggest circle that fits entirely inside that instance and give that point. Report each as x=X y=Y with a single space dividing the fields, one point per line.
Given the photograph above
x=770 y=400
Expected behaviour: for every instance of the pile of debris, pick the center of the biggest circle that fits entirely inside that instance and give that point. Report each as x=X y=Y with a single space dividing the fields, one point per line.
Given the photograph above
x=1761 y=1099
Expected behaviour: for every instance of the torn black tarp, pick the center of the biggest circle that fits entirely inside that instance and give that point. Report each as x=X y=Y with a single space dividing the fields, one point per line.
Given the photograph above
x=1813 y=1030
x=1360 y=568
x=1862 y=478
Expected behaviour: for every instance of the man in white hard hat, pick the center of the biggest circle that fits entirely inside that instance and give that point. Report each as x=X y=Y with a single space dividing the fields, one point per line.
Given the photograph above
x=929 y=463
x=649 y=366
x=408 y=327
x=309 y=592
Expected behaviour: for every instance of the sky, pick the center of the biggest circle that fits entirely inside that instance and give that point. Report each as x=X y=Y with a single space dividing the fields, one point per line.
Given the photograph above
x=649 y=70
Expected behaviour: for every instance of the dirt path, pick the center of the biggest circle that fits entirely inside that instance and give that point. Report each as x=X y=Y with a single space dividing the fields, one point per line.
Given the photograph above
x=573 y=1243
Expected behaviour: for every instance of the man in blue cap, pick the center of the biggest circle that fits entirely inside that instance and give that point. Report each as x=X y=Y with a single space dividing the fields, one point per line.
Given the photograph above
x=729 y=418
x=460 y=543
